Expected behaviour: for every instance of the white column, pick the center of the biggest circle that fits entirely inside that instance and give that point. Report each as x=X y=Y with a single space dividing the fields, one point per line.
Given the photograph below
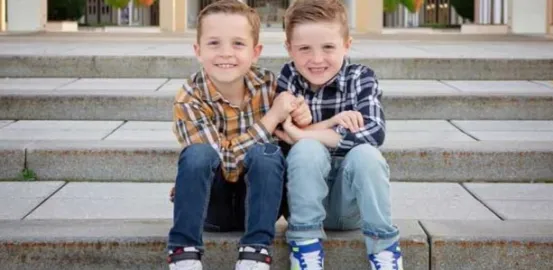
x=528 y=17
x=25 y=15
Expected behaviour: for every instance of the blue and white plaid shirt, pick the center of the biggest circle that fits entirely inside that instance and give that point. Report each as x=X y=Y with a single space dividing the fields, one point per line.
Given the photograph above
x=354 y=88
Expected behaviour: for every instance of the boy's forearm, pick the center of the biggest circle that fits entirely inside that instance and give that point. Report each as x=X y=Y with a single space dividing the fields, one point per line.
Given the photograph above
x=327 y=136
x=270 y=122
x=326 y=124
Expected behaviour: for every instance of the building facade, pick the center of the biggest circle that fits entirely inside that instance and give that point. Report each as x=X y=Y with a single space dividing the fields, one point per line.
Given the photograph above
x=365 y=16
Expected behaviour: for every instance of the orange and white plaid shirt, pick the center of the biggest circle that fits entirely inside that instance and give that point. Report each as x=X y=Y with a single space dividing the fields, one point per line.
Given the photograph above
x=202 y=115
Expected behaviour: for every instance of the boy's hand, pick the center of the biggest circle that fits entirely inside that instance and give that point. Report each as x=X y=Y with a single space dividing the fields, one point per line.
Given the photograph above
x=301 y=115
x=351 y=120
x=283 y=105
x=291 y=133
x=172 y=194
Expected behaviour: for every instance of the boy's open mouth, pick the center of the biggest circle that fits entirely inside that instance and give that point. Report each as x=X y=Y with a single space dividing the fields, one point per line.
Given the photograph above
x=317 y=70
x=225 y=65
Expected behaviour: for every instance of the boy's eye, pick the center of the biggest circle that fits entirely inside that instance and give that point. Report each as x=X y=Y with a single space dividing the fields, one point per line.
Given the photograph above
x=304 y=48
x=328 y=47
x=213 y=42
x=239 y=43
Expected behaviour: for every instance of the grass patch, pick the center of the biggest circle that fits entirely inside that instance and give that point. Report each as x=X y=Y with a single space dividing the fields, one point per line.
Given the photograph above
x=27 y=175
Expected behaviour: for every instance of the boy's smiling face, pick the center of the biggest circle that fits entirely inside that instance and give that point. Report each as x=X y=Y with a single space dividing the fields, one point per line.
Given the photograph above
x=226 y=47
x=318 y=50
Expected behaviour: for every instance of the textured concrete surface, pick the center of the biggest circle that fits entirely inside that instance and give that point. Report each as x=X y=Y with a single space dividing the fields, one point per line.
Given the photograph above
x=144 y=131
x=408 y=160
x=170 y=66
x=108 y=201
x=104 y=160
x=436 y=201
x=508 y=130
x=419 y=125
x=4 y=123
x=115 y=84
x=516 y=201
x=499 y=86
x=12 y=158
x=19 y=198
x=490 y=244
x=41 y=84
x=463 y=161
x=139 y=244
x=87 y=105
x=58 y=130
x=149 y=105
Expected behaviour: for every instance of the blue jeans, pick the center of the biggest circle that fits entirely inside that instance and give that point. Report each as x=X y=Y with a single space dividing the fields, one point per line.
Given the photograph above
x=339 y=193
x=204 y=200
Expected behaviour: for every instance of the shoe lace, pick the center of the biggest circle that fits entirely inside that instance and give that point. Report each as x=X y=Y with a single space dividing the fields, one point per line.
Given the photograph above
x=385 y=261
x=312 y=260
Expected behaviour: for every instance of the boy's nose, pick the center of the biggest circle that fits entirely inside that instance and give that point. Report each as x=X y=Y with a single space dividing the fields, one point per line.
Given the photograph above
x=317 y=57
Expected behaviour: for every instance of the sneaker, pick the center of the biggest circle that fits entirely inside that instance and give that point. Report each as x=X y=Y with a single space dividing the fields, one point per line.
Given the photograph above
x=250 y=258
x=188 y=258
x=388 y=259
x=307 y=255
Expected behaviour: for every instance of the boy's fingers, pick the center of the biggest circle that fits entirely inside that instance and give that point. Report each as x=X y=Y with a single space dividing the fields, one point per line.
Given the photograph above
x=360 y=120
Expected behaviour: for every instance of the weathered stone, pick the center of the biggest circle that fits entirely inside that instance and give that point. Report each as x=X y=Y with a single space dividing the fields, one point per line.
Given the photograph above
x=490 y=244
x=140 y=244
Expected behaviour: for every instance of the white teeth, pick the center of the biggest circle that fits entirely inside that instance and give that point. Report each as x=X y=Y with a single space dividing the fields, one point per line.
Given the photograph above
x=317 y=70
x=225 y=65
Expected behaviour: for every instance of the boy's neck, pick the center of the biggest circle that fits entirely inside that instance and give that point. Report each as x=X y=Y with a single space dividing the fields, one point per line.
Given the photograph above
x=233 y=92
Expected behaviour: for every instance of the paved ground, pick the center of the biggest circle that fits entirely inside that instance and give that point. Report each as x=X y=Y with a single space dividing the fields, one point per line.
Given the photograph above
x=397 y=130
x=380 y=46
x=418 y=201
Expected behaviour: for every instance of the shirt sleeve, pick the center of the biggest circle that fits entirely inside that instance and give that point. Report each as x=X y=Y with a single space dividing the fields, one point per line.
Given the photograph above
x=193 y=125
x=368 y=103
x=285 y=78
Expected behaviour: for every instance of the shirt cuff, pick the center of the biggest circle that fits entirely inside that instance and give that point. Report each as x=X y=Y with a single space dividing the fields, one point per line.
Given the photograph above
x=259 y=132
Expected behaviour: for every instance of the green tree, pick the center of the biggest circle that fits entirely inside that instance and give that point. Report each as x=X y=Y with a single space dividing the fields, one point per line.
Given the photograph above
x=411 y=5
x=65 y=10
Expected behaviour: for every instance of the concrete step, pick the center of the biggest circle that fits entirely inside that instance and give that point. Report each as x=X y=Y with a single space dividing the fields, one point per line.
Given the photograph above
x=161 y=66
x=150 y=99
x=428 y=159
x=139 y=244
x=392 y=59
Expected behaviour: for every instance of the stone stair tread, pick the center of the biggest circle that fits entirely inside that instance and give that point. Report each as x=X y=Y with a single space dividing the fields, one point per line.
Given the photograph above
x=102 y=244
x=402 y=99
x=408 y=160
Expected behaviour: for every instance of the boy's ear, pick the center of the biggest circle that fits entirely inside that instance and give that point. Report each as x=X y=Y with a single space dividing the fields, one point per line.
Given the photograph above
x=197 y=52
x=257 y=49
x=288 y=47
x=347 y=43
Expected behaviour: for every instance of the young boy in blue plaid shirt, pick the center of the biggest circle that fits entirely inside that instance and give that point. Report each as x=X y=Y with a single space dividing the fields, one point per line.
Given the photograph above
x=337 y=177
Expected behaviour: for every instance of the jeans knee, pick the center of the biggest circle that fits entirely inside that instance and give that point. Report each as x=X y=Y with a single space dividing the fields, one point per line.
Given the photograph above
x=198 y=157
x=308 y=152
x=264 y=157
x=367 y=162
x=365 y=156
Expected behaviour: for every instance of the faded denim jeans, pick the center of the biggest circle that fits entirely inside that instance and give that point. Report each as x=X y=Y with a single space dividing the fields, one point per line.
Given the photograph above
x=339 y=193
x=204 y=200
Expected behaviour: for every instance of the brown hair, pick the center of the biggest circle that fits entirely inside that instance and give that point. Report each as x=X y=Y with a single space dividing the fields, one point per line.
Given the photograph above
x=231 y=7
x=302 y=11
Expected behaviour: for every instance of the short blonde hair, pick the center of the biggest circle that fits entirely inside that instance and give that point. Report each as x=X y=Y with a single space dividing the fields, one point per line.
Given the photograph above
x=304 y=11
x=231 y=7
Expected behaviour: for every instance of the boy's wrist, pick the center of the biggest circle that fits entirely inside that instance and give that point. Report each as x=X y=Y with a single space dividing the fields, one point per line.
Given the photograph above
x=270 y=121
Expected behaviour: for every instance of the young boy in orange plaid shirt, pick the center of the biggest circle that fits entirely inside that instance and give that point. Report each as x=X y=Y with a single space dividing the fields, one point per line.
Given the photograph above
x=230 y=173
